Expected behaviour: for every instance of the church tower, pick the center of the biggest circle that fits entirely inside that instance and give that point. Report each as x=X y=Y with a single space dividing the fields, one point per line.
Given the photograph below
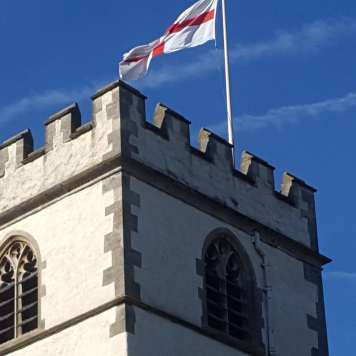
x=120 y=238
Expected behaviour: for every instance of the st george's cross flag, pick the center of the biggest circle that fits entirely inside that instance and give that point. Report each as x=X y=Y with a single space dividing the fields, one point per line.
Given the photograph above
x=194 y=27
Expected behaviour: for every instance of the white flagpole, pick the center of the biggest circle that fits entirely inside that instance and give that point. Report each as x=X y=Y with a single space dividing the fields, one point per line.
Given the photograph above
x=230 y=123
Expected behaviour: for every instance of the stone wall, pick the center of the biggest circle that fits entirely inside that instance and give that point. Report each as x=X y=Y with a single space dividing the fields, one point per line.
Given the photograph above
x=65 y=200
x=170 y=236
x=119 y=210
x=119 y=127
x=157 y=336
x=88 y=338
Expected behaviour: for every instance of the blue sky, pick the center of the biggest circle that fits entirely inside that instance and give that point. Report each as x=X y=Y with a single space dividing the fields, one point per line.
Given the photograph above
x=293 y=85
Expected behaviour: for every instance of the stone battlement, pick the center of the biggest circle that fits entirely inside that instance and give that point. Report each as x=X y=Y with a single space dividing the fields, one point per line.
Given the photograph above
x=119 y=131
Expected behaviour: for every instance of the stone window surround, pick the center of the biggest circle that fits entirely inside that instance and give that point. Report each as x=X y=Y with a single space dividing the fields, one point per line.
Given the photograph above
x=18 y=235
x=256 y=346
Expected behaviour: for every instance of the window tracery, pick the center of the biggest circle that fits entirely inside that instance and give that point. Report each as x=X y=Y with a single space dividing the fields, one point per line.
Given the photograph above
x=18 y=291
x=227 y=291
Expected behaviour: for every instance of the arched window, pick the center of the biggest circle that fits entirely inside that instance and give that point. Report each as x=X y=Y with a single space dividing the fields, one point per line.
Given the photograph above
x=18 y=291
x=229 y=290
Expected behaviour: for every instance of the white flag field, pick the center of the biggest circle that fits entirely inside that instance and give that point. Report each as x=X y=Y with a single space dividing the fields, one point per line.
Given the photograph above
x=194 y=27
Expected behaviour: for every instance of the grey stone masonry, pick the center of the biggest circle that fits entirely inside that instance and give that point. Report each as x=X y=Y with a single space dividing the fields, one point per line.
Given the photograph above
x=138 y=200
x=119 y=128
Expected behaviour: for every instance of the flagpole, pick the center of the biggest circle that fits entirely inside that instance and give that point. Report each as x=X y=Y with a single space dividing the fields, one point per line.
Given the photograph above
x=230 y=123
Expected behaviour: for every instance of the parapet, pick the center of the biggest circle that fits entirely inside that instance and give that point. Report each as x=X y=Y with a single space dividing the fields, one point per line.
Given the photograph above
x=119 y=130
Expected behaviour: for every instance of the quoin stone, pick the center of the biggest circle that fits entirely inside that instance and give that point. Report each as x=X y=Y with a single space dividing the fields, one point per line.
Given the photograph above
x=137 y=243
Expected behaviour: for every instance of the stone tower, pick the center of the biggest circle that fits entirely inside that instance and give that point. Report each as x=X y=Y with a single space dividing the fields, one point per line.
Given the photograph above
x=120 y=238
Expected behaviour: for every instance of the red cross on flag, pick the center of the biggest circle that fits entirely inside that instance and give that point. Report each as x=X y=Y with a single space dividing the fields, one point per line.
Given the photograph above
x=194 y=27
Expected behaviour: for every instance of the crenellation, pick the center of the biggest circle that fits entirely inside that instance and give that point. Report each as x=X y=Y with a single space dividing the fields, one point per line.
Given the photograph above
x=260 y=171
x=24 y=146
x=114 y=85
x=298 y=192
x=292 y=184
x=72 y=110
x=131 y=106
x=81 y=130
x=69 y=151
x=218 y=150
x=15 y=150
x=4 y=157
x=60 y=126
x=34 y=155
x=51 y=133
x=134 y=203
x=172 y=125
x=119 y=128
x=209 y=169
x=70 y=120
x=302 y=196
x=25 y=134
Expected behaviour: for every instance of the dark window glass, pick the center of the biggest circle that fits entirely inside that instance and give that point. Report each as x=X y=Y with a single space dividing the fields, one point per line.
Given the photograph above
x=18 y=291
x=226 y=290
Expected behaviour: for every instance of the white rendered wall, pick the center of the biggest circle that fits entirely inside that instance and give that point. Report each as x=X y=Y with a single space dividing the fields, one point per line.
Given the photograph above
x=89 y=338
x=64 y=160
x=170 y=237
x=174 y=157
x=158 y=337
x=70 y=234
x=170 y=234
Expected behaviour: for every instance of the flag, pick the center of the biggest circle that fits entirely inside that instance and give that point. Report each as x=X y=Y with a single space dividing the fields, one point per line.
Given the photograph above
x=194 y=27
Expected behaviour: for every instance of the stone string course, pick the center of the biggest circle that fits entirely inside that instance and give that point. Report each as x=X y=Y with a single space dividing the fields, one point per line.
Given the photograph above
x=119 y=141
x=119 y=128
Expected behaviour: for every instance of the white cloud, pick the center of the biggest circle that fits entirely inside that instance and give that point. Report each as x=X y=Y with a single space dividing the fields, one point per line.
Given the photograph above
x=309 y=39
x=43 y=100
x=289 y=115
x=343 y=276
x=293 y=114
x=312 y=37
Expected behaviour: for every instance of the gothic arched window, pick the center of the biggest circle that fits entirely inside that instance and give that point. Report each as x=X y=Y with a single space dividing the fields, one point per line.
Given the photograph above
x=18 y=291
x=229 y=296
